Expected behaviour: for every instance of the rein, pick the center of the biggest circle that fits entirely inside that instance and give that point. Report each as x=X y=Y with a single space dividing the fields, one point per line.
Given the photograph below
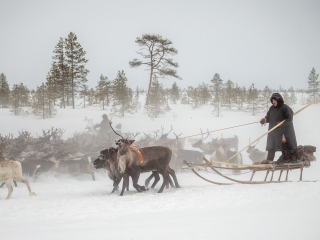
x=159 y=143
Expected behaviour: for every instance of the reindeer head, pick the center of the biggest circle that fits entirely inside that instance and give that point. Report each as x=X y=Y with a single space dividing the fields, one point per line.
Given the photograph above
x=124 y=145
x=99 y=163
x=251 y=148
x=106 y=155
x=197 y=144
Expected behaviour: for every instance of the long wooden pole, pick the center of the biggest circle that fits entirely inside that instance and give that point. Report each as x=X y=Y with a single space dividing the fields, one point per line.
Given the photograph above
x=272 y=129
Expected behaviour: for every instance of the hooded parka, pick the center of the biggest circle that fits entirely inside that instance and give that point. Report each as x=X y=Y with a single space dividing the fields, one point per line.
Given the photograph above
x=274 y=116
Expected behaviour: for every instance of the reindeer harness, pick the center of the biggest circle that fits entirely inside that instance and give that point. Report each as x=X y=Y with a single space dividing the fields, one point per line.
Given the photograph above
x=141 y=160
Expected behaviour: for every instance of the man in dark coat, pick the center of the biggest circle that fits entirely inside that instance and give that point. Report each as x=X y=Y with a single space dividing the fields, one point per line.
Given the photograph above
x=282 y=138
x=104 y=127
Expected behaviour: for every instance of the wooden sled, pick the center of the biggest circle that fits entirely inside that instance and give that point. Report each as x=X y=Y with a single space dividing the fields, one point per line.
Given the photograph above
x=254 y=168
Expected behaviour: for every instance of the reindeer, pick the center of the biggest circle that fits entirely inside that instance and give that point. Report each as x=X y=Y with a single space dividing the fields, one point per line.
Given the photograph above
x=207 y=148
x=74 y=167
x=156 y=158
x=255 y=154
x=223 y=154
x=9 y=171
x=106 y=160
x=133 y=161
x=231 y=142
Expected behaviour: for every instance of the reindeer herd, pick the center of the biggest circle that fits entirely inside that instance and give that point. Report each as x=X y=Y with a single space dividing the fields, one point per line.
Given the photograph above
x=156 y=153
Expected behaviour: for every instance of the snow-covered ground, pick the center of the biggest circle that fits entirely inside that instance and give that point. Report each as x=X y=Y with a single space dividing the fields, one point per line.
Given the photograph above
x=79 y=208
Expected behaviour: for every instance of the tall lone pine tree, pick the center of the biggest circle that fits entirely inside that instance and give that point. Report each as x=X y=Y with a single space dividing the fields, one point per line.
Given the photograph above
x=155 y=52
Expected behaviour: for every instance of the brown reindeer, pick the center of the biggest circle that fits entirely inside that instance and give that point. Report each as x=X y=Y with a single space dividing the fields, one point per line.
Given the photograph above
x=155 y=158
x=106 y=160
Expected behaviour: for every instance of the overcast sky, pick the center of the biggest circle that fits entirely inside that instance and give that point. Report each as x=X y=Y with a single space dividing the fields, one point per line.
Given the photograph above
x=262 y=42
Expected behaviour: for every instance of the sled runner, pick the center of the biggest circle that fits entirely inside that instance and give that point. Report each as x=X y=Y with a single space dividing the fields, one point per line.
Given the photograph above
x=304 y=157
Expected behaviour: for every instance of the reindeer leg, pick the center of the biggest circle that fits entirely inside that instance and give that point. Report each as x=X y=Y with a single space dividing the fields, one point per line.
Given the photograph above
x=10 y=188
x=125 y=183
x=128 y=185
x=156 y=176
x=26 y=182
x=169 y=182
x=15 y=183
x=165 y=179
x=116 y=182
x=2 y=184
x=173 y=174
x=135 y=179
x=149 y=179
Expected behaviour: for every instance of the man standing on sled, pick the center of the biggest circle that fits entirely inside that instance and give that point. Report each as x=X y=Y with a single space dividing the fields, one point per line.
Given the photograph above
x=282 y=138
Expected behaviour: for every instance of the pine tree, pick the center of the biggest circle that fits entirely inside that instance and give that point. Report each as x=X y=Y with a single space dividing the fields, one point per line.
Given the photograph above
x=175 y=94
x=42 y=105
x=264 y=98
x=103 y=90
x=292 y=98
x=24 y=95
x=84 y=92
x=75 y=57
x=156 y=102
x=15 y=96
x=56 y=83
x=136 y=103
x=253 y=96
x=20 y=96
x=157 y=50
x=91 y=97
x=217 y=92
x=204 y=95
x=187 y=96
x=242 y=97
x=195 y=98
x=229 y=93
x=39 y=101
x=60 y=70
x=50 y=94
x=4 y=91
x=313 y=85
x=122 y=96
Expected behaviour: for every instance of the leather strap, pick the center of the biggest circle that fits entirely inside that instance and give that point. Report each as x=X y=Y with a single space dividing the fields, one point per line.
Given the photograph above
x=141 y=160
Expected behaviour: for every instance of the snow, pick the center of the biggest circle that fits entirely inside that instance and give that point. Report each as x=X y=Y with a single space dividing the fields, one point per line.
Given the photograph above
x=78 y=208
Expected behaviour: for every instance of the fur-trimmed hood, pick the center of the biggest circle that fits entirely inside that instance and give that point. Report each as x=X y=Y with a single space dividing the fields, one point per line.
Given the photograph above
x=278 y=98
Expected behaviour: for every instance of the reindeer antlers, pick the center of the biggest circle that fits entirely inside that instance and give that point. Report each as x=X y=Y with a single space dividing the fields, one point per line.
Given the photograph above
x=204 y=133
x=115 y=131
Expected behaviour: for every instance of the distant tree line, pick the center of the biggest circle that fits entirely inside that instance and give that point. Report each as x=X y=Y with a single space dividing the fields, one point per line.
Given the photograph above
x=65 y=85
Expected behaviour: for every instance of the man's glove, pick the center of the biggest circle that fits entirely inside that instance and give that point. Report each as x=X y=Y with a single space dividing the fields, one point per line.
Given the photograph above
x=263 y=121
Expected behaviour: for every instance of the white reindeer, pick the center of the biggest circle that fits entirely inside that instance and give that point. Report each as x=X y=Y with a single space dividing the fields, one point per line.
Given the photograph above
x=9 y=171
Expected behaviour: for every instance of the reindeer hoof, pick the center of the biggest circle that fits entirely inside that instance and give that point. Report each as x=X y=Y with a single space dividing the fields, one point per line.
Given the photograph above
x=32 y=194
